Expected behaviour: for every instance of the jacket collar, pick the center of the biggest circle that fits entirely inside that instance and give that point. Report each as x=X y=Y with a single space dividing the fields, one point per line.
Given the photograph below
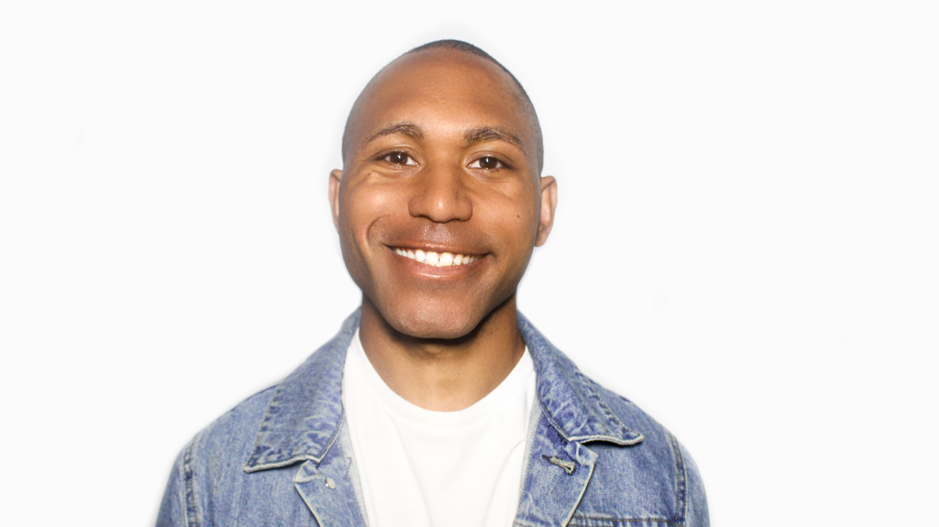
x=569 y=399
x=305 y=413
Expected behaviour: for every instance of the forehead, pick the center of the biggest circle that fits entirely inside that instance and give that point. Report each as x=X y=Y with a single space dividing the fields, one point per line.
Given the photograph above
x=441 y=91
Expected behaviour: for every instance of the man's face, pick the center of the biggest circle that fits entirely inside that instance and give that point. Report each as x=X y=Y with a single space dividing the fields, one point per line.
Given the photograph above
x=440 y=170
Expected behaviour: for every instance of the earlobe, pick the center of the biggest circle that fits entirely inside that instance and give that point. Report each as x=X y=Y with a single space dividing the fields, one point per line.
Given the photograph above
x=335 y=178
x=549 y=203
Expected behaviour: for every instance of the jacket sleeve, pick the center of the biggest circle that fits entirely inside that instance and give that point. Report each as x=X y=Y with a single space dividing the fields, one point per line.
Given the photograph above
x=175 y=509
x=696 y=503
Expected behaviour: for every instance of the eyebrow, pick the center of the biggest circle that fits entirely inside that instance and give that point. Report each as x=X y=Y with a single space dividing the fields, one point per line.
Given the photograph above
x=489 y=133
x=409 y=129
x=475 y=135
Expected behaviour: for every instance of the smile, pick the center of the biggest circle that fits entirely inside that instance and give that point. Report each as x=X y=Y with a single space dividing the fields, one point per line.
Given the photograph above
x=435 y=259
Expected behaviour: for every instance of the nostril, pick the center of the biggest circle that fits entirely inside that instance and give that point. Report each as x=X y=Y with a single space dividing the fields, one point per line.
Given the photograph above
x=441 y=203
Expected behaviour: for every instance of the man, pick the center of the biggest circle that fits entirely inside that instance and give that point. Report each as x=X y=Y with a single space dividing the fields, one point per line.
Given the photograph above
x=437 y=403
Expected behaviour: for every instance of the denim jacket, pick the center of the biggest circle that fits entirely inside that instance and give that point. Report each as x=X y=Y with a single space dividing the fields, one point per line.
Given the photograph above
x=283 y=456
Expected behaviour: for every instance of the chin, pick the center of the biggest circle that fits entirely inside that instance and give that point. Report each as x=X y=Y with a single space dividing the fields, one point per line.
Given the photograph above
x=428 y=323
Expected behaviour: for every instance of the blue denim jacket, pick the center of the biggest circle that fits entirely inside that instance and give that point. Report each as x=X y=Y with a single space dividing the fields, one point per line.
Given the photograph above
x=283 y=456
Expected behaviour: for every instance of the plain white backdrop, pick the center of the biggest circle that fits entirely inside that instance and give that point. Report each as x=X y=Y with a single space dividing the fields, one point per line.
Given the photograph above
x=746 y=244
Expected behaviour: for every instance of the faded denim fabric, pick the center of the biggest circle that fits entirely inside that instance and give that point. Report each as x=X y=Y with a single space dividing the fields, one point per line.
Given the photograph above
x=283 y=456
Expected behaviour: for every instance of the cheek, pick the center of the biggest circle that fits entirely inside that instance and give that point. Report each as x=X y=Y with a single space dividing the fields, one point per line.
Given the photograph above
x=360 y=207
x=514 y=215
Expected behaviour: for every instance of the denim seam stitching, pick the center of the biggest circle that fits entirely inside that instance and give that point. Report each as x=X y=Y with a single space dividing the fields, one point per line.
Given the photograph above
x=282 y=464
x=607 y=411
x=627 y=520
x=580 y=497
x=609 y=439
x=611 y=417
x=192 y=515
x=680 y=470
x=307 y=457
x=587 y=439
x=554 y=423
x=334 y=438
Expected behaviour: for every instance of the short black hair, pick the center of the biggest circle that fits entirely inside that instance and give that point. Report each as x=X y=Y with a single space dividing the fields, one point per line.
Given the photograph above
x=466 y=47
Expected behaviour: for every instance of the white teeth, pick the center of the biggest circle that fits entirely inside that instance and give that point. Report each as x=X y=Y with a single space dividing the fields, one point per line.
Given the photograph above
x=435 y=259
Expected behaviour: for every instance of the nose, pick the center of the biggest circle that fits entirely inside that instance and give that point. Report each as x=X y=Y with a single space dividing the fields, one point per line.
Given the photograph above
x=441 y=196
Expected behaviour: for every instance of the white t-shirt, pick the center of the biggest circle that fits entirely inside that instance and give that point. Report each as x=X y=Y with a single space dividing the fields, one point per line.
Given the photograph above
x=421 y=468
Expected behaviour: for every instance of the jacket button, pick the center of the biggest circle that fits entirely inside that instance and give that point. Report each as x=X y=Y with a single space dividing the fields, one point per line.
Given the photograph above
x=330 y=484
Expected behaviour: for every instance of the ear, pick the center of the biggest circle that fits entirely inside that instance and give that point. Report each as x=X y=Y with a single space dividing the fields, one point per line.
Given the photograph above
x=549 y=202
x=335 y=178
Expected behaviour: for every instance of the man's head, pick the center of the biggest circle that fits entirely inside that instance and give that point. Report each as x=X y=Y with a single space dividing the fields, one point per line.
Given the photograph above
x=441 y=161
x=456 y=45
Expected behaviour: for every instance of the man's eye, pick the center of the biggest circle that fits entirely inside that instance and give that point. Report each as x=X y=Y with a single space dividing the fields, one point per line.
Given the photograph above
x=400 y=158
x=487 y=163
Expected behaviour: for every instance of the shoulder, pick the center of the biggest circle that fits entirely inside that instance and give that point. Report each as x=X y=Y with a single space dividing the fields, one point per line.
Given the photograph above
x=640 y=472
x=219 y=451
x=235 y=467
x=210 y=465
x=230 y=438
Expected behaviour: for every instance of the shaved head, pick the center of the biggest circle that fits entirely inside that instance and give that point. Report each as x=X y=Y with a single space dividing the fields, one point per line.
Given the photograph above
x=442 y=156
x=456 y=47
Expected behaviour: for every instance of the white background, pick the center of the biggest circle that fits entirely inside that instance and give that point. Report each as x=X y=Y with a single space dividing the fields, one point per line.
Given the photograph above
x=746 y=245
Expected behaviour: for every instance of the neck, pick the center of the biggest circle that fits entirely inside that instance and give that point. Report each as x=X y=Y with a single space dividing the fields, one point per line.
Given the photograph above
x=443 y=374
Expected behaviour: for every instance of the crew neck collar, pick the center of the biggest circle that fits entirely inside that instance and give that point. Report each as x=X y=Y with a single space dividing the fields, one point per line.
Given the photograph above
x=513 y=385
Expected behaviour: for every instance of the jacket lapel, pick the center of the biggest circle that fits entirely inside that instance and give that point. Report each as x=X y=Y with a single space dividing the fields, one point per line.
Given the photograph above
x=572 y=413
x=304 y=425
x=327 y=489
x=302 y=420
x=569 y=400
x=557 y=476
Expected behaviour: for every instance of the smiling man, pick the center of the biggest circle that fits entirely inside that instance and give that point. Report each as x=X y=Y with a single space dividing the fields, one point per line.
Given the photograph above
x=437 y=403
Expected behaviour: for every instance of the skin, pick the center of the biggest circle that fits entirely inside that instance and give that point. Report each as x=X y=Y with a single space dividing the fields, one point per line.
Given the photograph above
x=441 y=156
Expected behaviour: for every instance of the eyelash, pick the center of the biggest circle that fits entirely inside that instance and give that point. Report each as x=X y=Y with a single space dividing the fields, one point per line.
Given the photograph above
x=500 y=164
x=387 y=158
